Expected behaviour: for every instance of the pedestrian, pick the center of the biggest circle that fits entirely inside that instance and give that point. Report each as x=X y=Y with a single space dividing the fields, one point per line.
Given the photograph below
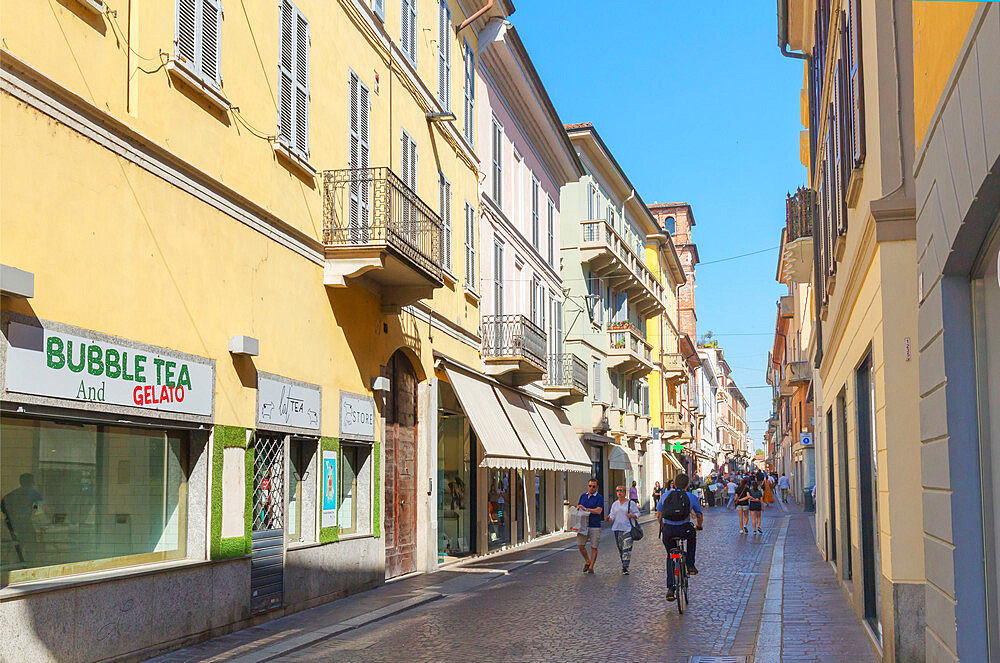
x=731 y=492
x=756 y=496
x=784 y=485
x=633 y=494
x=657 y=493
x=768 y=491
x=593 y=503
x=743 y=504
x=621 y=515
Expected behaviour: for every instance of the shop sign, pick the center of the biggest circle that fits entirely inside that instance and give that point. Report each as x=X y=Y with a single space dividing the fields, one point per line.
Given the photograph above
x=84 y=366
x=357 y=417
x=805 y=439
x=329 y=518
x=288 y=403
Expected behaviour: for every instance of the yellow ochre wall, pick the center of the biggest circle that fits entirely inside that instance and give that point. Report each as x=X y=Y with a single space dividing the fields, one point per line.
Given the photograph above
x=939 y=30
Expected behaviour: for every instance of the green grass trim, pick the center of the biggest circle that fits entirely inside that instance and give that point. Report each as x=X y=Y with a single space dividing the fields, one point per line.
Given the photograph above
x=377 y=489
x=327 y=534
x=228 y=437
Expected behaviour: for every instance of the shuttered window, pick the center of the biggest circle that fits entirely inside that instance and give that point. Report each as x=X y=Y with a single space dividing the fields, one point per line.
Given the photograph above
x=596 y=396
x=497 y=277
x=408 y=29
x=445 y=197
x=551 y=222
x=470 y=247
x=535 y=230
x=359 y=202
x=469 y=95
x=379 y=7
x=856 y=83
x=536 y=293
x=444 y=54
x=408 y=162
x=497 y=153
x=197 y=44
x=293 y=88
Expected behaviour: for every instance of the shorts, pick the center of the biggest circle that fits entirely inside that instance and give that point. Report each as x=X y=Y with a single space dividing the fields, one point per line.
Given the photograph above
x=755 y=507
x=593 y=537
x=742 y=507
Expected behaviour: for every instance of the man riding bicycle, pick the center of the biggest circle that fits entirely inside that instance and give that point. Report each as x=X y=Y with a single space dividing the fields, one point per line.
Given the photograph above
x=674 y=515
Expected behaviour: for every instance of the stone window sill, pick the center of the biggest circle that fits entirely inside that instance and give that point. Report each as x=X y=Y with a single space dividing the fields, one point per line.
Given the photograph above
x=96 y=6
x=183 y=72
x=293 y=159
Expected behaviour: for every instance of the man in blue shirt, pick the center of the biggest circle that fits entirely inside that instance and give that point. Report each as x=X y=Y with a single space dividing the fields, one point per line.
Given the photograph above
x=674 y=514
x=593 y=503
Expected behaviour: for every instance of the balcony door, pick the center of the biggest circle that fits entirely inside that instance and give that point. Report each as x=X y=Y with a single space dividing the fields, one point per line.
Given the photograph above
x=498 y=295
x=359 y=194
x=408 y=163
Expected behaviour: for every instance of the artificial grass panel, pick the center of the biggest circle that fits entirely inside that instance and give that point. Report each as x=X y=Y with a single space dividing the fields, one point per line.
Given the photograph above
x=225 y=437
x=327 y=534
x=377 y=487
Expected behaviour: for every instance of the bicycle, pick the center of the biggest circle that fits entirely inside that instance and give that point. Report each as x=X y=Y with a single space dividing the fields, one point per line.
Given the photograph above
x=678 y=554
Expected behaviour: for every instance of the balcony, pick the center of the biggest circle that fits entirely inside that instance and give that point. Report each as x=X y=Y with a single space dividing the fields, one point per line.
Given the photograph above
x=642 y=423
x=376 y=230
x=629 y=352
x=599 y=419
x=514 y=347
x=797 y=373
x=797 y=251
x=675 y=368
x=786 y=306
x=609 y=255
x=673 y=425
x=566 y=380
x=616 y=421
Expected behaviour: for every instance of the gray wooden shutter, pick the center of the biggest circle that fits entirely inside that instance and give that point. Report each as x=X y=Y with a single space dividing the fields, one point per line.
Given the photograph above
x=551 y=221
x=535 y=230
x=470 y=246
x=857 y=86
x=469 y=92
x=301 y=84
x=444 y=192
x=211 y=29
x=286 y=66
x=379 y=7
x=187 y=31
x=444 y=54
x=359 y=195
x=408 y=28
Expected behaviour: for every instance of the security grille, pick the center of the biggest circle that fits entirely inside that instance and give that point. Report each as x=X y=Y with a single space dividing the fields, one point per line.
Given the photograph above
x=268 y=484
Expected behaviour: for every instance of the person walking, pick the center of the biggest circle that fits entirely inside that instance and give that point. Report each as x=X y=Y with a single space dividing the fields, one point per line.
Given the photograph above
x=731 y=491
x=657 y=494
x=743 y=504
x=768 y=491
x=633 y=494
x=593 y=503
x=784 y=484
x=756 y=495
x=621 y=515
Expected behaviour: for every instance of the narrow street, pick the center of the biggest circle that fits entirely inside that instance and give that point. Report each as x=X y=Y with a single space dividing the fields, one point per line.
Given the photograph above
x=547 y=610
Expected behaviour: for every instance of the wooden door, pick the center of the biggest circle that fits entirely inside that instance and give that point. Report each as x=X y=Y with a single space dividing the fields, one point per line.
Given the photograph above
x=400 y=497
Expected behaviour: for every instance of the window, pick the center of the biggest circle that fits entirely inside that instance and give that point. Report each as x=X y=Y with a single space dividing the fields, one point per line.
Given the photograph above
x=85 y=497
x=353 y=491
x=444 y=54
x=596 y=396
x=497 y=277
x=534 y=213
x=197 y=44
x=670 y=225
x=300 y=452
x=408 y=29
x=469 y=95
x=592 y=201
x=470 y=247
x=359 y=195
x=535 y=294
x=551 y=221
x=497 y=150
x=293 y=88
x=378 y=6
x=445 y=196
x=408 y=162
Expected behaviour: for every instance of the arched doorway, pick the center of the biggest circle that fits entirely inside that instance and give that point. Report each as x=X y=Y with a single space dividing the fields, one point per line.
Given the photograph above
x=400 y=496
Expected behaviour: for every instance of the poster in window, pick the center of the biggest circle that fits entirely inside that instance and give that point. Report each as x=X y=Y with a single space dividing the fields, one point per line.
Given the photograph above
x=329 y=489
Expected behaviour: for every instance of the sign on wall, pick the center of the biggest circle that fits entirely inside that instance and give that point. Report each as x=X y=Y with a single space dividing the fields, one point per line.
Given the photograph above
x=80 y=365
x=329 y=518
x=357 y=417
x=288 y=403
x=805 y=439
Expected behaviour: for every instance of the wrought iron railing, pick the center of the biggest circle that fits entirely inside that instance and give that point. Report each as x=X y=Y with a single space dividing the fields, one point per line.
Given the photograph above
x=513 y=336
x=567 y=370
x=364 y=206
x=799 y=214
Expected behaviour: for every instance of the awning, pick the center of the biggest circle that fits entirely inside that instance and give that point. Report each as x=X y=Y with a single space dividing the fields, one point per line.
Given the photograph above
x=673 y=461
x=518 y=409
x=618 y=459
x=501 y=445
x=577 y=458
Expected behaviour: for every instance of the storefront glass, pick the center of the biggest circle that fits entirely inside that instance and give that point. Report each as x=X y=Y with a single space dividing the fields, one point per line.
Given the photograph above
x=498 y=505
x=541 y=490
x=455 y=483
x=296 y=470
x=84 y=497
x=350 y=493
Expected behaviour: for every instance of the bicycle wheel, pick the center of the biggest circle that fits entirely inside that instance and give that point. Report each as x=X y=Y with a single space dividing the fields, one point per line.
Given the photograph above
x=680 y=590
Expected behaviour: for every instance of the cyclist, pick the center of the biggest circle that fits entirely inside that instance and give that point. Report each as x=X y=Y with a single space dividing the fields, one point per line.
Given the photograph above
x=674 y=515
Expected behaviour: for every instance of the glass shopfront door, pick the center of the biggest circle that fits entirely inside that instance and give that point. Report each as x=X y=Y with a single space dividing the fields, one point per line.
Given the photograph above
x=498 y=508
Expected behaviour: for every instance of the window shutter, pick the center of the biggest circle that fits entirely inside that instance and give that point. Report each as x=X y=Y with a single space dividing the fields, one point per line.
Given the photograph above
x=211 y=27
x=301 y=84
x=552 y=233
x=470 y=246
x=497 y=278
x=286 y=65
x=535 y=231
x=359 y=160
x=379 y=7
x=408 y=29
x=857 y=86
x=187 y=30
x=469 y=92
x=446 y=222
x=444 y=54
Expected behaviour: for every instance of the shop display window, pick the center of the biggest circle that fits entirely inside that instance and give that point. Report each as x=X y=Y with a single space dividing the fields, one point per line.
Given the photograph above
x=498 y=507
x=541 y=490
x=296 y=471
x=80 y=497
x=456 y=487
x=353 y=494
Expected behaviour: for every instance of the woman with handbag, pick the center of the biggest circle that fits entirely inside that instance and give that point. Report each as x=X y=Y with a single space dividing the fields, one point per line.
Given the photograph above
x=624 y=519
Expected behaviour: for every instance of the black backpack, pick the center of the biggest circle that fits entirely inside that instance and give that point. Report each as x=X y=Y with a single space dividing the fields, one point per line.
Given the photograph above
x=676 y=506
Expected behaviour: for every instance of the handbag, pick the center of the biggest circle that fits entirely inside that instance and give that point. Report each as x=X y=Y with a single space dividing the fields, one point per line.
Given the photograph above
x=636 y=530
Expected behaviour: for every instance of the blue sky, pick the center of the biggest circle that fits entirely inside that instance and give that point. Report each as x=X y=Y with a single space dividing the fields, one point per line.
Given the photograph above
x=697 y=104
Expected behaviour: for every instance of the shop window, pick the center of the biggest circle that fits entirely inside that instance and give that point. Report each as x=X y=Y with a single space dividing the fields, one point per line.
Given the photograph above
x=301 y=490
x=354 y=489
x=84 y=497
x=456 y=485
x=498 y=505
x=541 y=491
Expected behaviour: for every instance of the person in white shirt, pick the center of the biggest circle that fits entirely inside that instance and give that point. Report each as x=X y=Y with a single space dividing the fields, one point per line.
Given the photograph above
x=731 y=491
x=623 y=511
x=784 y=484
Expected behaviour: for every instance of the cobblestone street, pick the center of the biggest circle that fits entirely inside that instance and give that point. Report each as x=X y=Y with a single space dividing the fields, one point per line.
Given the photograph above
x=548 y=610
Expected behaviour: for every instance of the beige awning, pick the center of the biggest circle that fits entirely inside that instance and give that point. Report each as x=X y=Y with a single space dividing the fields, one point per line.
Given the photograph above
x=577 y=458
x=502 y=447
x=518 y=411
x=673 y=461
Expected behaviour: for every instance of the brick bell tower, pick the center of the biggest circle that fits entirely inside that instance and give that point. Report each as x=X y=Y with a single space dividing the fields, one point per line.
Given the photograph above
x=678 y=220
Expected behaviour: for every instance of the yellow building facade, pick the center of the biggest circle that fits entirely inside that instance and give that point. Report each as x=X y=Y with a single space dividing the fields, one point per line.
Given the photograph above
x=177 y=186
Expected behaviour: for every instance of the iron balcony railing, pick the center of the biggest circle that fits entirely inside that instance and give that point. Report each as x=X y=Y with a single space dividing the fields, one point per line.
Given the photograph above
x=567 y=370
x=513 y=337
x=799 y=214
x=371 y=206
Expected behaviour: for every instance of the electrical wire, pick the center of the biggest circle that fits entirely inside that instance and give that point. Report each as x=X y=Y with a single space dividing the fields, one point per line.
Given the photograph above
x=254 y=131
x=742 y=255
x=112 y=15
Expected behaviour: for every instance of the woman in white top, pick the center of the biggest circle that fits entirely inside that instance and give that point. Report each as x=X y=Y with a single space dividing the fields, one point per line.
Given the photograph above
x=623 y=512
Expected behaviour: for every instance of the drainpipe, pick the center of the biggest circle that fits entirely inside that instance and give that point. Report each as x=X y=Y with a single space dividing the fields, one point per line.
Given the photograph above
x=468 y=21
x=783 y=32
